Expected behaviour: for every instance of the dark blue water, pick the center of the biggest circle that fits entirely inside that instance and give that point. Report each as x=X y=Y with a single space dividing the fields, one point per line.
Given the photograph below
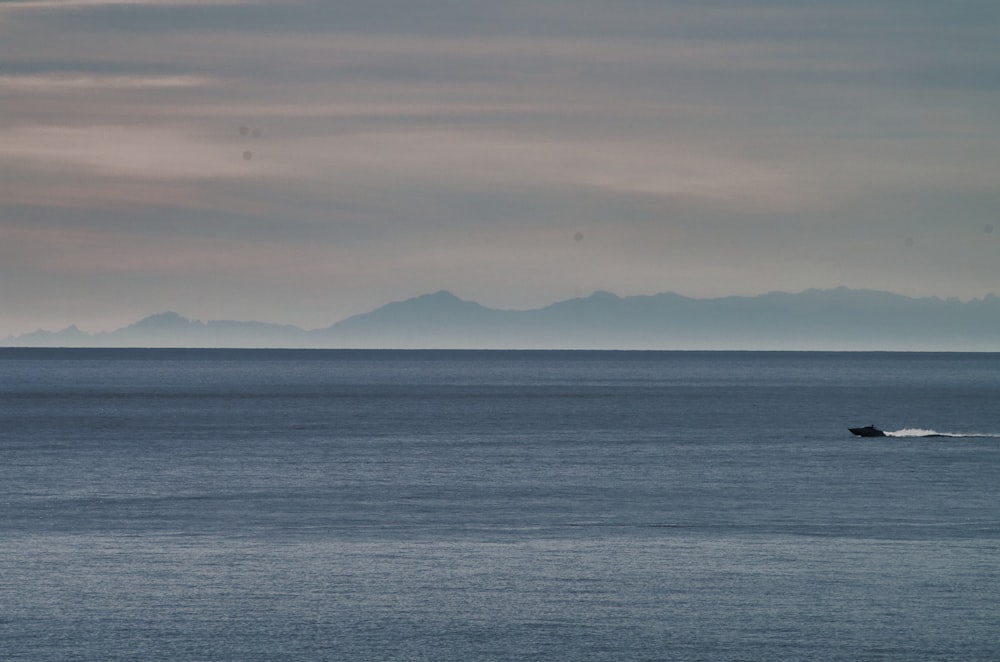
x=265 y=505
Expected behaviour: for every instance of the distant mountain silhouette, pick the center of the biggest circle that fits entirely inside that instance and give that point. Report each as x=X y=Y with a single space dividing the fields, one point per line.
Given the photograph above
x=834 y=319
x=171 y=330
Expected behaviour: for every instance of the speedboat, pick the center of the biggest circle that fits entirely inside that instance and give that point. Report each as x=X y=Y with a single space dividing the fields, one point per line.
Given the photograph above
x=867 y=431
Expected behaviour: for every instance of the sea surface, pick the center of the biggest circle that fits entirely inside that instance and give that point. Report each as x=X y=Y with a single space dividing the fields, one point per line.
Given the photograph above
x=409 y=505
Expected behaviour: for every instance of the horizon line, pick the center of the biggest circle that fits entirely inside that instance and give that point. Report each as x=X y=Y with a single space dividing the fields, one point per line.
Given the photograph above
x=73 y=326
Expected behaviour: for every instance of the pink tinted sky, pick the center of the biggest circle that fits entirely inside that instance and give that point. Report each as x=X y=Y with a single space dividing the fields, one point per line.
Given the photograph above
x=514 y=153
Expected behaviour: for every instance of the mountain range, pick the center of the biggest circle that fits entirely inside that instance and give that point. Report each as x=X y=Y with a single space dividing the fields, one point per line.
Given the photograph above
x=830 y=319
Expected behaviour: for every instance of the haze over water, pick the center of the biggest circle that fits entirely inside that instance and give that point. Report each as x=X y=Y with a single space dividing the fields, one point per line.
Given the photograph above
x=261 y=505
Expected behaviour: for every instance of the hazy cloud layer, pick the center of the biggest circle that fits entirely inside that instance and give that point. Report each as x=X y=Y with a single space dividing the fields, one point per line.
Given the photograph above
x=299 y=162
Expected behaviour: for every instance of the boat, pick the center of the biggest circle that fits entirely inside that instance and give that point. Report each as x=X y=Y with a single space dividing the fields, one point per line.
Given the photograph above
x=867 y=431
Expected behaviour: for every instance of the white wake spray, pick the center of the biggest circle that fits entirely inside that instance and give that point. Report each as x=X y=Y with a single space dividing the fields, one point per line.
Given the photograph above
x=921 y=432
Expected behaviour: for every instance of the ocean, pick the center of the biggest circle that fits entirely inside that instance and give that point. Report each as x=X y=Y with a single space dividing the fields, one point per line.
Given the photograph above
x=467 y=505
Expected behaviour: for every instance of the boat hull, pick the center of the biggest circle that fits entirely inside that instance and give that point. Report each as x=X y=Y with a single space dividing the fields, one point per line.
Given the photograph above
x=867 y=431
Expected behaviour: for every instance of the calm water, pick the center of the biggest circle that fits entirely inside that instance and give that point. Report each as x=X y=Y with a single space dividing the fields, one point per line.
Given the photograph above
x=255 y=505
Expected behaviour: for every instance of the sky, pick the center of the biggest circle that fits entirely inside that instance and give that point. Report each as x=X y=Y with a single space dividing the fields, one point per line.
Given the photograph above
x=301 y=162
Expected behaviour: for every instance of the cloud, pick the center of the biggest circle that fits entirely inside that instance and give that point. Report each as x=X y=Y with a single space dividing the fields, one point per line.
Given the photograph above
x=52 y=82
x=121 y=152
x=709 y=148
x=16 y=5
x=456 y=160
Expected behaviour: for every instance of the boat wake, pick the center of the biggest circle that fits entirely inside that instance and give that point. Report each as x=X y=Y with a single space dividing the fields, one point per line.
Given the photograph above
x=920 y=432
